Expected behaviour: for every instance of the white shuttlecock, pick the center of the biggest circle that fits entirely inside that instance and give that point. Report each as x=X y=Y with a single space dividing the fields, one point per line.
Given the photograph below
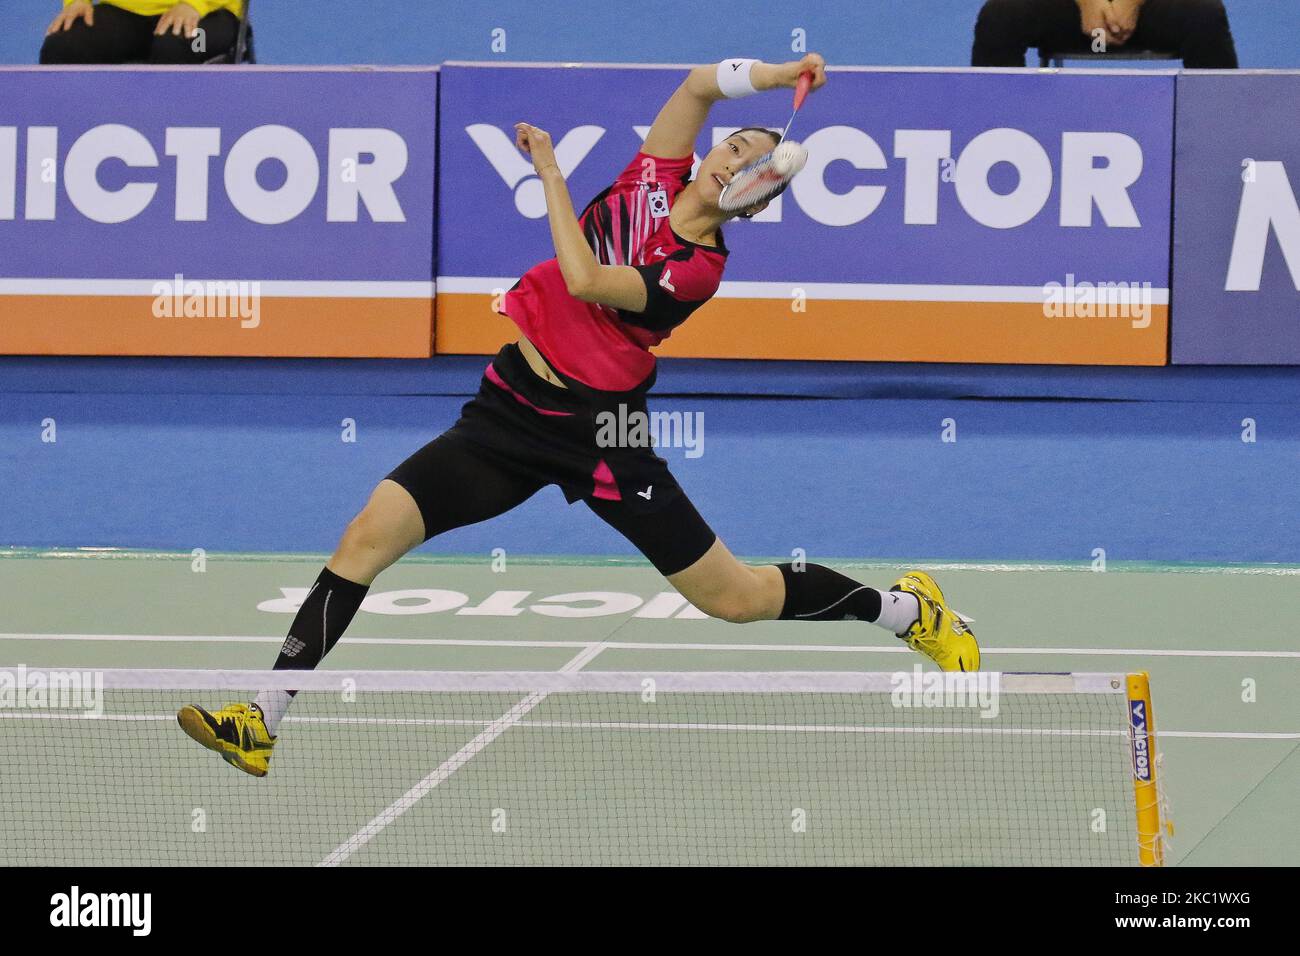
x=788 y=158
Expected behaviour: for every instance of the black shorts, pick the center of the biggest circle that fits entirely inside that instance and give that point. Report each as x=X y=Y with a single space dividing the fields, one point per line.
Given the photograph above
x=521 y=433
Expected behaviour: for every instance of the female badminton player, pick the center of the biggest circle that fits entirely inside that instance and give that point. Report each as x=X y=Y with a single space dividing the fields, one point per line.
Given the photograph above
x=642 y=256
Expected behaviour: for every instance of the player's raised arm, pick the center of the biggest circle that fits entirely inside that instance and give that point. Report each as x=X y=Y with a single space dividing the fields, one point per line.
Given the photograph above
x=585 y=278
x=682 y=117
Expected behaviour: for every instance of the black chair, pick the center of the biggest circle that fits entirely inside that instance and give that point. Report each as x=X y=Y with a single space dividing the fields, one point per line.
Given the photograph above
x=1049 y=58
x=242 y=51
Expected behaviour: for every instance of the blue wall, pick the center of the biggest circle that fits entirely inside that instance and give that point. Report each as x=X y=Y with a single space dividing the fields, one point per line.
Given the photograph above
x=866 y=32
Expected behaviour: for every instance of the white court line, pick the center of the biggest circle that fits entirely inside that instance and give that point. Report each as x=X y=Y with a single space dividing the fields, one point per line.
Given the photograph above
x=268 y=288
x=439 y=775
x=647 y=645
x=664 y=725
x=840 y=291
x=449 y=766
x=1022 y=567
x=585 y=657
x=1267 y=570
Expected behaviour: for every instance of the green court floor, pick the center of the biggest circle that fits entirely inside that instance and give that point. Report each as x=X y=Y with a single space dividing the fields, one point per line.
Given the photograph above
x=1220 y=645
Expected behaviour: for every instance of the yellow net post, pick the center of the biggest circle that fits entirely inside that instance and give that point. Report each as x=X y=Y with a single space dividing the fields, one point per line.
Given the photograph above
x=1146 y=792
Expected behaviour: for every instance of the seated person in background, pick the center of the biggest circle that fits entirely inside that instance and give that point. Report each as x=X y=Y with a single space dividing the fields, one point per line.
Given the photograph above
x=1196 y=30
x=142 y=31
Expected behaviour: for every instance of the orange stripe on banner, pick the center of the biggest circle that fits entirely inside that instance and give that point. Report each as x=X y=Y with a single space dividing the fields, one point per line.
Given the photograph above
x=1015 y=332
x=470 y=325
x=287 y=326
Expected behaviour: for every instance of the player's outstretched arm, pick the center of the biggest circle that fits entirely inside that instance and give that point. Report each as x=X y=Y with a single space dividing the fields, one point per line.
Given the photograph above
x=679 y=122
x=620 y=287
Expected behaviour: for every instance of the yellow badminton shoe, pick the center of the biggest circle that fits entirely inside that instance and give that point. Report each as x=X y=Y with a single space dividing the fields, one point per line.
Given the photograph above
x=236 y=731
x=940 y=633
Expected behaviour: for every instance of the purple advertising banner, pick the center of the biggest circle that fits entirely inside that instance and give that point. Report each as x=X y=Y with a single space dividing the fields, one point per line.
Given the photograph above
x=126 y=192
x=1236 y=293
x=936 y=214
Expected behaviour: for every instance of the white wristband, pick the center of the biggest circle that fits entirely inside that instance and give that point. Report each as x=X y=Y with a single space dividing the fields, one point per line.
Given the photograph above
x=733 y=78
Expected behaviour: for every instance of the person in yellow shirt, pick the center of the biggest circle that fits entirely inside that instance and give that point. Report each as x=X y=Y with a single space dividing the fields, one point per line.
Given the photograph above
x=142 y=31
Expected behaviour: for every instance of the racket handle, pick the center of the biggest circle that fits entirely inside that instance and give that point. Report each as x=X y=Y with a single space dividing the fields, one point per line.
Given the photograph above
x=802 y=87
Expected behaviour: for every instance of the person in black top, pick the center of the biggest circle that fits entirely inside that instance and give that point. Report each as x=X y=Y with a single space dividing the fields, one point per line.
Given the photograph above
x=1197 y=30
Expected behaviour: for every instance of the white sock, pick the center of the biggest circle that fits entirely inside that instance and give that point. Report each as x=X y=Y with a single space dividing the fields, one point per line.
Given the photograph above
x=274 y=704
x=898 y=611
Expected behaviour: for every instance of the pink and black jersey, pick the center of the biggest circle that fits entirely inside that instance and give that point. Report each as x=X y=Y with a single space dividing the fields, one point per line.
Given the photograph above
x=599 y=346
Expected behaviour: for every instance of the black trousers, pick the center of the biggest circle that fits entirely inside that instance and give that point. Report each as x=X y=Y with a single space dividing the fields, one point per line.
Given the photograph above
x=119 y=36
x=1197 y=30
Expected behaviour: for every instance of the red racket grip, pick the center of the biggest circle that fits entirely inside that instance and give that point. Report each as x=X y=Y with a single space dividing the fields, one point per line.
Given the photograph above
x=802 y=87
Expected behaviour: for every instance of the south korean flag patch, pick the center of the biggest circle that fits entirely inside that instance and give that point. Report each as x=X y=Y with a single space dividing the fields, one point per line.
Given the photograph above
x=659 y=203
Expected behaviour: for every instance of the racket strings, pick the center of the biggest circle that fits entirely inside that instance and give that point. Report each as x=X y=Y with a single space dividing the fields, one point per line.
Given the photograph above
x=753 y=185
